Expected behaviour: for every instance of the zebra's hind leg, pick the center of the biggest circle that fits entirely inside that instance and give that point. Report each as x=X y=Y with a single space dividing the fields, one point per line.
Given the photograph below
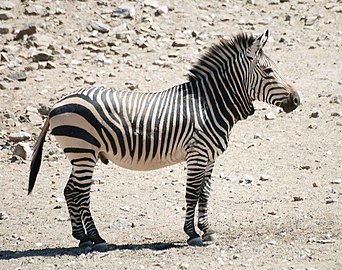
x=81 y=180
x=78 y=231
x=203 y=223
x=196 y=165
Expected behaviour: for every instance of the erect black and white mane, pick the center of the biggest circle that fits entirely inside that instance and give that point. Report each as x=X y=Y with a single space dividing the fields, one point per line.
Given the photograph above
x=218 y=55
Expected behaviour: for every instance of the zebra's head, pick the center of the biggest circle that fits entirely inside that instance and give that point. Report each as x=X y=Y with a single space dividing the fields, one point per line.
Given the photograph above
x=265 y=81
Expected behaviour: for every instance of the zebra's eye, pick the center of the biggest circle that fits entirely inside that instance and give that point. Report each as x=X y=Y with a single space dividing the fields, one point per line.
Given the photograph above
x=268 y=71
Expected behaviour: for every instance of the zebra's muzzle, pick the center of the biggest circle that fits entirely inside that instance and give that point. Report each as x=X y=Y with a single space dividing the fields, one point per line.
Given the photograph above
x=292 y=103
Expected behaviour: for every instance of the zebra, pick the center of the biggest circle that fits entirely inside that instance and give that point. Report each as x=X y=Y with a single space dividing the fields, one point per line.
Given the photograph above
x=189 y=122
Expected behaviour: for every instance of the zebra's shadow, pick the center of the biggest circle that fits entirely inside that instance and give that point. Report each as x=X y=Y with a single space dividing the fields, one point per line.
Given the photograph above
x=51 y=252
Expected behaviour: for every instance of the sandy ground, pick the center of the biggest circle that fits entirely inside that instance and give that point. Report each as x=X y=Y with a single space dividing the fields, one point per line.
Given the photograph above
x=290 y=221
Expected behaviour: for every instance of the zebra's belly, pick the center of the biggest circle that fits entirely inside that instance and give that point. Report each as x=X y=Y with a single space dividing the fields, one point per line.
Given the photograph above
x=148 y=164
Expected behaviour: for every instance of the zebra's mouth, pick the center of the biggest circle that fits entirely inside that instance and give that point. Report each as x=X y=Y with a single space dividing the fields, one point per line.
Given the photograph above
x=292 y=103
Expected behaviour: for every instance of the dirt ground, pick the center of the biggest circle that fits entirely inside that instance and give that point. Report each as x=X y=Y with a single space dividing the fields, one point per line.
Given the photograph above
x=290 y=220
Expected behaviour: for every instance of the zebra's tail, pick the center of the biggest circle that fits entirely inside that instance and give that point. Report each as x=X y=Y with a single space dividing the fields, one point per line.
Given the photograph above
x=37 y=156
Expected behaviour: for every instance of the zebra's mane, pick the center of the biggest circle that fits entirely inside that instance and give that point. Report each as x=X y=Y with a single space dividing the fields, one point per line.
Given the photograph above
x=218 y=54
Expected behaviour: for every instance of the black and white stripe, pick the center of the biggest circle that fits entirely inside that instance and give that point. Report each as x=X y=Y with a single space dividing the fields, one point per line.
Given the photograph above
x=145 y=131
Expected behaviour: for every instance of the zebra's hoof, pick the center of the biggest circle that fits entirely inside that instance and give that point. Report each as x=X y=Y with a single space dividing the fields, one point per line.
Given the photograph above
x=100 y=247
x=86 y=244
x=209 y=237
x=195 y=242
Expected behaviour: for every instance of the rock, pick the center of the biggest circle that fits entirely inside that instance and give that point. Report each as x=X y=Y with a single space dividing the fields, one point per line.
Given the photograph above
x=337 y=99
x=36 y=10
x=125 y=208
x=40 y=56
x=304 y=167
x=335 y=114
x=6 y=15
x=7 y=5
x=315 y=113
x=121 y=224
x=336 y=181
x=162 y=10
x=297 y=198
x=22 y=150
x=264 y=177
x=3 y=216
x=329 y=200
x=18 y=76
x=272 y=242
x=151 y=3
x=5 y=29
x=35 y=119
x=124 y=12
x=310 y=20
x=257 y=136
x=270 y=116
x=89 y=80
x=101 y=27
x=183 y=266
x=180 y=43
x=246 y=179
x=272 y=213
x=46 y=65
x=44 y=109
x=19 y=137
x=29 y=30
x=316 y=184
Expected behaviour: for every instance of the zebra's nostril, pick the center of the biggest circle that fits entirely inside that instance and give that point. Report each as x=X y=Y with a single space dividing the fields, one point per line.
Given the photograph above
x=295 y=99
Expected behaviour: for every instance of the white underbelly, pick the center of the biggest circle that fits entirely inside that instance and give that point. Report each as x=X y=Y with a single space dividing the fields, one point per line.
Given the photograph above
x=149 y=164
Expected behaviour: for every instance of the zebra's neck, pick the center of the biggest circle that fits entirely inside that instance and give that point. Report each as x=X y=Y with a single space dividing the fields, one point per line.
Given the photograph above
x=226 y=98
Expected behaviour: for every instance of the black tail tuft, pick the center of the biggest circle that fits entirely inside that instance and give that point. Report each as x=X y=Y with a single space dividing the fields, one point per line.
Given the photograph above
x=37 y=156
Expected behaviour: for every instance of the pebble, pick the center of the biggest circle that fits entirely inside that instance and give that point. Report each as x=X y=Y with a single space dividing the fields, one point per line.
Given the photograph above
x=124 y=12
x=315 y=113
x=29 y=30
x=35 y=119
x=6 y=15
x=41 y=56
x=22 y=150
x=125 y=208
x=310 y=20
x=5 y=29
x=3 y=216
x=337 y=99
x=121 y=224
x=162 y=10
x=297 y=198
x=35 y=10
x=183 y=266
x=180 y=43
x=316 y=184
x=264 y=177
x=270 y=116
x=329 y=200
x=101 y=27
x=19 y=137
x=18 y=76
x=336 y=181
x=151 y=3
x=7 y=5
x=257 y=136
x=247 y=179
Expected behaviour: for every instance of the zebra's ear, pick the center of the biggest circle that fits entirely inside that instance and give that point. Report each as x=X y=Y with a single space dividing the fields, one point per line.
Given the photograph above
x=259 y=43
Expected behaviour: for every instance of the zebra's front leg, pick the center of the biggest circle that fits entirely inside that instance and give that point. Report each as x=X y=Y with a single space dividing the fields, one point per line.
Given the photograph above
x=196 y=165
x=203 y=223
